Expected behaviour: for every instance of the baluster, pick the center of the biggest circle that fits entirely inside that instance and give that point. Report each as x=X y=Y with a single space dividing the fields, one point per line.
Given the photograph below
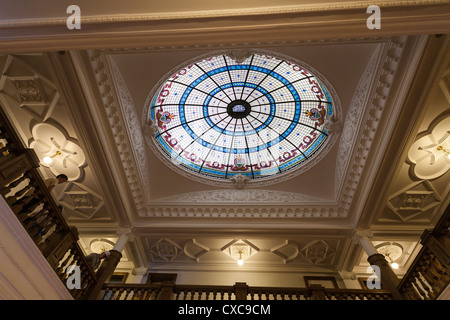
x=417 y=290
x=5 y=190
x=120 y=294
x=107 y=295
x=61 y=268
x=146 y=294
x=129 y=294
x=113 y=294
x=421 y=287
x=63 y=260
x=138 y=294
x=20 y=193
x=425 y=282
x=151 y=294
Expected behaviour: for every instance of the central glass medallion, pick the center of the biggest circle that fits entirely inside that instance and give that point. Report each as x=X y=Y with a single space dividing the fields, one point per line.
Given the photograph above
x=239 y=109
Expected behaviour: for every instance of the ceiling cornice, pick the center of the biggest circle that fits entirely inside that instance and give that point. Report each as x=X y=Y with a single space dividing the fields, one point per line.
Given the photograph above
x=222 y=13
x=299 y=23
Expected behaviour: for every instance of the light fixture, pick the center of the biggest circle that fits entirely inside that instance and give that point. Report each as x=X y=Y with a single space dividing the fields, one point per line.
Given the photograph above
x=393 y=264
x=446 y=151
x=49 y=159
x=240 y=261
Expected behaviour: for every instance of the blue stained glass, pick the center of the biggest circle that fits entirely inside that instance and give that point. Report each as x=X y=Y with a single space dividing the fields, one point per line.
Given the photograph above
x=201 y=102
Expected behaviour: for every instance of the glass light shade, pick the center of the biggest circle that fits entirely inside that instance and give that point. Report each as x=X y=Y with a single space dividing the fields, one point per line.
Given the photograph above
x=47 y=160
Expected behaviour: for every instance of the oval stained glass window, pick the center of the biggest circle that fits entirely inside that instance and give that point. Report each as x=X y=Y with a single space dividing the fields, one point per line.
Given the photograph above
x=258 y=116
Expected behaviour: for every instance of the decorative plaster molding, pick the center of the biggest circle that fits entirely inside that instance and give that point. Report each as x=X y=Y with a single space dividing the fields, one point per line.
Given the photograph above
x=166 y=250
x=239 y=181
x=347 y=275
x=99 y=65
x=235 y=211
x=28 y=88
x=361 y=233
x=426 y=159
x=240 y=249
x=68 y=157
x=372 y=94
x=132 y=125
x=318 y=252
x=224 y=13
x=194 y=249
x=287 y=251
x=244 y=196
x=413 y=201
x=350 y=162
x=81 y=200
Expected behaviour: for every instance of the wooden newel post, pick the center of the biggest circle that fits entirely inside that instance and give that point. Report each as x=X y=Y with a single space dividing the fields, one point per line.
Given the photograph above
x=12 y=166
x=104 y=272
x=317 y=292
x=440 y=247
x=166 y=292
x=241 y=290
x=59 y=245
x=387 y=276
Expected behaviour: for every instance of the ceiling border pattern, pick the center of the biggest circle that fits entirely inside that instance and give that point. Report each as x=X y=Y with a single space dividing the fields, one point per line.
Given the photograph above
x=104 y=82
x=132 y=126
x=245 y=196
x=376 y=104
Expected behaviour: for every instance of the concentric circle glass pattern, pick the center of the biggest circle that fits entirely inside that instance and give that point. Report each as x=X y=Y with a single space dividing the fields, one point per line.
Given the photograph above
x=258 y=118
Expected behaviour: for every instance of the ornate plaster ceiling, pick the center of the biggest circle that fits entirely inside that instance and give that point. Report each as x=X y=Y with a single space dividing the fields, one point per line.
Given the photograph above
x=94 y=100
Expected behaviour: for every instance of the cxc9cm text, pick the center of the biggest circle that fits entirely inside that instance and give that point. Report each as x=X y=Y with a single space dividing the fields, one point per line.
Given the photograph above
x=228 y=309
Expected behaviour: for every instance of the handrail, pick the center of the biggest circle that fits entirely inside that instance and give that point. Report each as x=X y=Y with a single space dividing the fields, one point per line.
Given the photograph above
x=429 y=274
x=24 y=189
x=122 y=291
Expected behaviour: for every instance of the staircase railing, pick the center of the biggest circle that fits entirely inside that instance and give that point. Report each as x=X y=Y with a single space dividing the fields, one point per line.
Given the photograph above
x=429 y=274
x=240 y=291
x=24 y=189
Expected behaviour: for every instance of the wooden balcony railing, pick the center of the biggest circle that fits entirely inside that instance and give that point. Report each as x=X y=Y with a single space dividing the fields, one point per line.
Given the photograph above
x=240 y=291
x=25 y=191
x=429 y=274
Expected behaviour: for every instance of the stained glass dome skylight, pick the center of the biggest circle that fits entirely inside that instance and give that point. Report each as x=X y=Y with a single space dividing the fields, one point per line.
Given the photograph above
x=256 y=116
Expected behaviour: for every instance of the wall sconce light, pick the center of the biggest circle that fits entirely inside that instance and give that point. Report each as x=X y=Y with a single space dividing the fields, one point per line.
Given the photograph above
x=446 y=151
x=49 y=159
